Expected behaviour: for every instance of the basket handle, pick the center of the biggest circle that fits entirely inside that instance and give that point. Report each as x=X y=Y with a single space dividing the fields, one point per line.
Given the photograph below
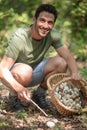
x=63 y=80
x=69 y=78
x=49 y=86
x=50 y=77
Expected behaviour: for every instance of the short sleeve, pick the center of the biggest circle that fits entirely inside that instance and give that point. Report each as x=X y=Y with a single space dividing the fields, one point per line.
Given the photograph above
x=56 y=39
x=14 y=46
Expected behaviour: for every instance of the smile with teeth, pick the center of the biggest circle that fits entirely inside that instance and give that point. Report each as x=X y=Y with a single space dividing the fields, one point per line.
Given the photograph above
x=44 y=30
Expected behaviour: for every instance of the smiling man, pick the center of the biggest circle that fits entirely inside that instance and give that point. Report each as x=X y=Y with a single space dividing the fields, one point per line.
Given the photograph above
x=23 y=64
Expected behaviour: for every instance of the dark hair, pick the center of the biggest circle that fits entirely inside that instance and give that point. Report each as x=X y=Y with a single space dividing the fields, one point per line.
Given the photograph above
x=48 y=8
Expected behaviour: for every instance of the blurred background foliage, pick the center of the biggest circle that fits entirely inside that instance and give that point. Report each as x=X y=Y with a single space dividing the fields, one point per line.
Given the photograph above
x=71 y=22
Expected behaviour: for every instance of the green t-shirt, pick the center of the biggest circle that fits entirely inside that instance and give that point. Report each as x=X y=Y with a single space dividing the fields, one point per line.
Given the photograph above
x=24 y=49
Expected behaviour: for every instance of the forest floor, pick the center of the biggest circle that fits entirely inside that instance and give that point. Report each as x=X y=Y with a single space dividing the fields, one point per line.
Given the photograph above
x=33 y=119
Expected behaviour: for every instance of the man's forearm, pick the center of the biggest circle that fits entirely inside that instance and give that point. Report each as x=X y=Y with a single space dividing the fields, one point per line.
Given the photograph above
x=9 y=80
x=72 y=65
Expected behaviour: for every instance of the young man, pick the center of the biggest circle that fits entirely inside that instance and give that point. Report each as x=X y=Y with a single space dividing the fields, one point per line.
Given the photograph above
x=23 y=64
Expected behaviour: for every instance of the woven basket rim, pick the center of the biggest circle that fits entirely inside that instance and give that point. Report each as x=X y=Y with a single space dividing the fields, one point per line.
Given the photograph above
x=56 y=74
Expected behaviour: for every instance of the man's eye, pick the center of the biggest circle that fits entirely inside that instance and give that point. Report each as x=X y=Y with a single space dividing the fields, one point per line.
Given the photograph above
x=42 y=20
x=51 y=23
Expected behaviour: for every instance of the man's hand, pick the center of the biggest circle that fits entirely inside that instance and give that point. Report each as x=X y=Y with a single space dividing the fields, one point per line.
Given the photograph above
x=24 y=94
x=76 y=76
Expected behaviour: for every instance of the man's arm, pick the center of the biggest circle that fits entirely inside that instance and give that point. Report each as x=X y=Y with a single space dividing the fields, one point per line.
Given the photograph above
x=9 y=80
x=64 y=52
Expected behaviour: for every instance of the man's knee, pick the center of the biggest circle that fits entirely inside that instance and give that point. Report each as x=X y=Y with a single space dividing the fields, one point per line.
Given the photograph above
x=61 y=65
x=22 y=73
x=55 y=64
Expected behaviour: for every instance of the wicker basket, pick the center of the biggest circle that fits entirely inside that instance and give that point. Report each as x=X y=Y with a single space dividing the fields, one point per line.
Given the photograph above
x=54 y=81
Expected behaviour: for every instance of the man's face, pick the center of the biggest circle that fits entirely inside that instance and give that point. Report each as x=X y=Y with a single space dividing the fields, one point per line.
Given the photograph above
x=44 y=23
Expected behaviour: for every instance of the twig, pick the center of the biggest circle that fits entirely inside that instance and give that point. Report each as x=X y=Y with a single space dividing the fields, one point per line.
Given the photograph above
x=39 y=108
x=5 y=112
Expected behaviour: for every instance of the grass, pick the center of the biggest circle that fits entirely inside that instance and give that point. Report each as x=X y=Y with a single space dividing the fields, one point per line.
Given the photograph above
x=21 y=114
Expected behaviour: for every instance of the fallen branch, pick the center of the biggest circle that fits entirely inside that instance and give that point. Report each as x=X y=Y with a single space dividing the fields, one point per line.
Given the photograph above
x=39 y=108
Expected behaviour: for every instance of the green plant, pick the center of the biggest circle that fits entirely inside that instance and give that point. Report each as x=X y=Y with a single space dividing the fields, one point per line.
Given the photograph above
x=21 y=114
x=58 y=127
x=84 y=73
x=3 y=123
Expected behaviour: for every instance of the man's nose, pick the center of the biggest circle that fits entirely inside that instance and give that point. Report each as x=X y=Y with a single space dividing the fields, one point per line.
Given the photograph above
x=46 y=25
